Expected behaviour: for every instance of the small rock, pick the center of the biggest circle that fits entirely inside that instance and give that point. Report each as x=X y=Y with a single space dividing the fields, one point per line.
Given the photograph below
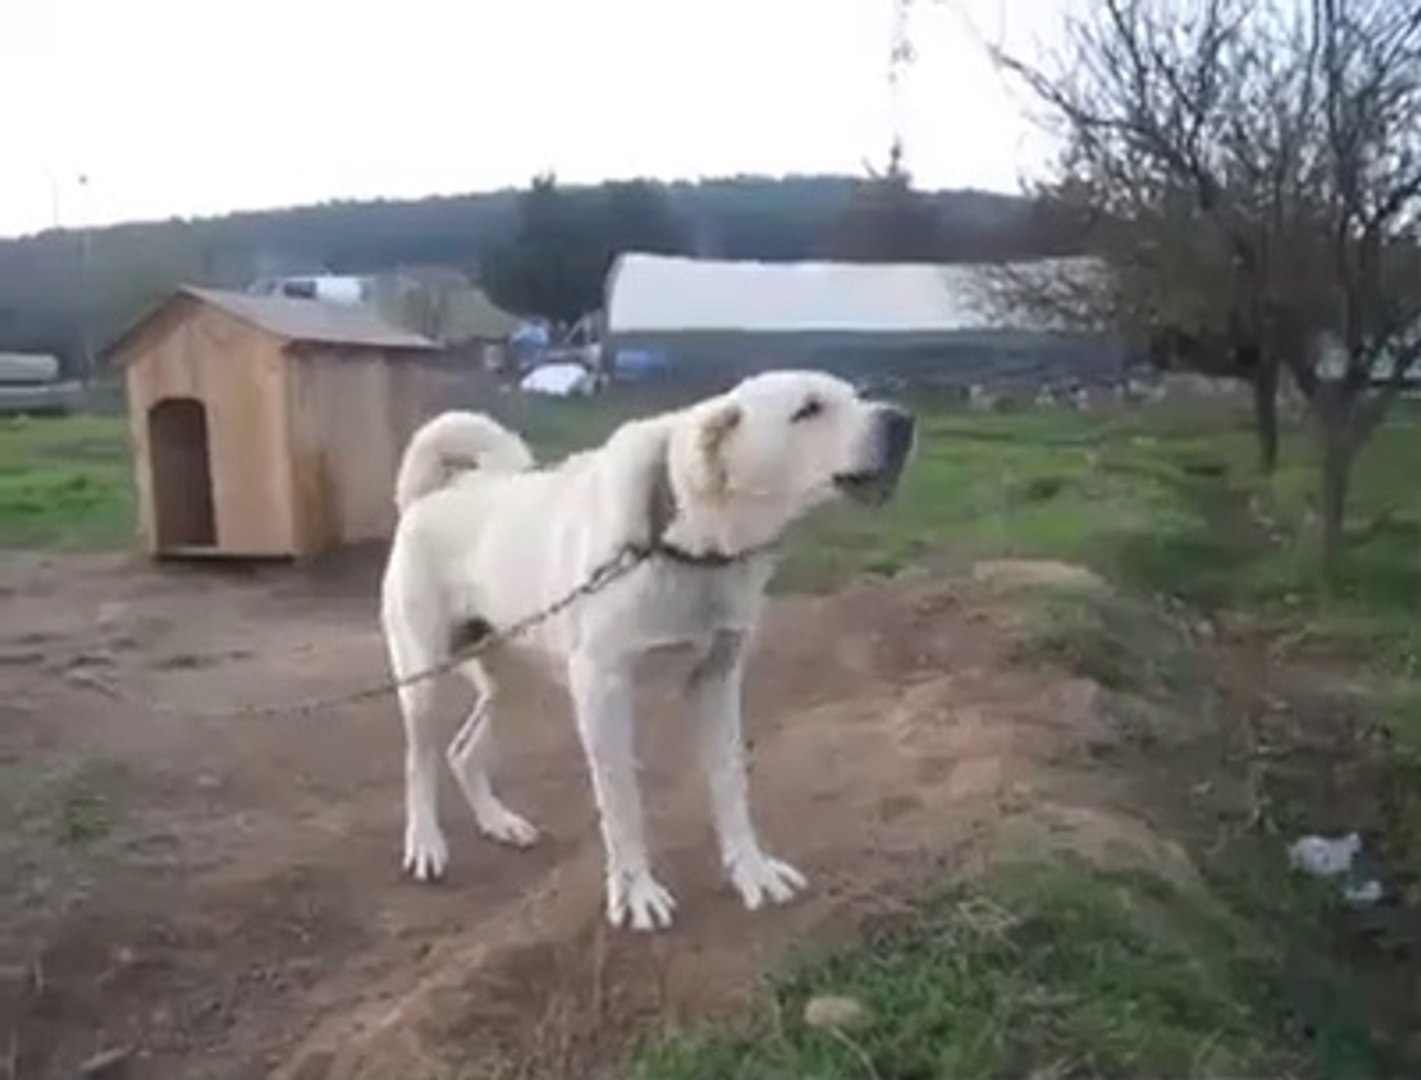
x=111 y=613
x=316 y=1066
x=107 y=1064
x=183 y=661
x=828 y=1012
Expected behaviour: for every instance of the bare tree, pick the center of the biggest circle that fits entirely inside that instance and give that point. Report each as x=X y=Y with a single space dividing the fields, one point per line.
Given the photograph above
x=1366 y=199
x=1250 y=174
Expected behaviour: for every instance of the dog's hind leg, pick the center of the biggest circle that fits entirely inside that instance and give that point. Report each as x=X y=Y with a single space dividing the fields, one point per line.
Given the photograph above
x=471 y=756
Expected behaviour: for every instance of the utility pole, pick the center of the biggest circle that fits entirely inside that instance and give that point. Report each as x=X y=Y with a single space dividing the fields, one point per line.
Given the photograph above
x=86 y=352
x=900 y=57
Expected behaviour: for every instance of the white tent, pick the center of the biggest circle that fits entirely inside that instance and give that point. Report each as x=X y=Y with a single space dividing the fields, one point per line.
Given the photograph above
x=657 y=294
x=875 y=323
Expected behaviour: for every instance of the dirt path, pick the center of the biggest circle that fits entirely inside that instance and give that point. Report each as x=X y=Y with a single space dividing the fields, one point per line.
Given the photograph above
x=221 y=898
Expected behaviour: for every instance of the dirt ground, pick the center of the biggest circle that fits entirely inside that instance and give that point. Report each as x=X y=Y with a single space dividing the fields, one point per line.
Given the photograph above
x=221 y=898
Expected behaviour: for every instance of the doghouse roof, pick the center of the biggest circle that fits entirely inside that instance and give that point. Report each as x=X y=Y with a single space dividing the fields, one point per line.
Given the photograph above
x=297 y=321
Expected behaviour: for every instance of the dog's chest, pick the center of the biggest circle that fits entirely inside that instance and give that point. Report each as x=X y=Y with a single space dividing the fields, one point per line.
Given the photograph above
x=687 y=604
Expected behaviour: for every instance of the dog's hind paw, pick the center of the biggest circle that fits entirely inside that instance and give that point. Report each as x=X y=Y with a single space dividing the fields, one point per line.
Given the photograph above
x=426 y=853
x=639 y=901
x=759 y=878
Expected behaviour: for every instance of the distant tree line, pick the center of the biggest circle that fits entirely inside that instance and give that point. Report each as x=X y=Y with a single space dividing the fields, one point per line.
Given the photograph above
x=542 y=251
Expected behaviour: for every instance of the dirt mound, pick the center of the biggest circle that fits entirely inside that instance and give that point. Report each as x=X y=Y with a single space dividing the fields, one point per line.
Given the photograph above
x=248 y=870
x=1036 y=574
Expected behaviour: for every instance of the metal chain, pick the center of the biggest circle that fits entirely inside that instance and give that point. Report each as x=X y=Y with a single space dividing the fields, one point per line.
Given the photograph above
x=626 y=559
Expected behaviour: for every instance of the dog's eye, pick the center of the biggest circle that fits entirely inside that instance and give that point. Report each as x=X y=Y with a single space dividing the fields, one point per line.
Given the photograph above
x=811 y=408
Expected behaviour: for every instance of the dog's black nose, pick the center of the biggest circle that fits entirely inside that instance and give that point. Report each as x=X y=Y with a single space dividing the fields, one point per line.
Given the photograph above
x=898 y=430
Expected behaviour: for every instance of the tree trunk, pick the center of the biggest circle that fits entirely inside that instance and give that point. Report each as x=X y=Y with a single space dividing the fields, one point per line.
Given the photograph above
x=1337 y=457
x=1265 y=416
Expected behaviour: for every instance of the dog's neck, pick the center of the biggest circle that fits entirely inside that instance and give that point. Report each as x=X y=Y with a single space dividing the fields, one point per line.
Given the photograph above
x=701 y=536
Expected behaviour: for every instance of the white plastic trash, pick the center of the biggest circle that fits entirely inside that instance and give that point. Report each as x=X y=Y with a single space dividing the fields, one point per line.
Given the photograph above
x=1364 y=895
x=1323 y=857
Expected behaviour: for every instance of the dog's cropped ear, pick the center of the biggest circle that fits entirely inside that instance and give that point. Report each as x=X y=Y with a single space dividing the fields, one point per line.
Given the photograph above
x=713 y=432
x=639 y=482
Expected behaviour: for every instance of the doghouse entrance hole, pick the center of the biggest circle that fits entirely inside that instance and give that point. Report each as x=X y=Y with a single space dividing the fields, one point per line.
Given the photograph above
x=182 y=474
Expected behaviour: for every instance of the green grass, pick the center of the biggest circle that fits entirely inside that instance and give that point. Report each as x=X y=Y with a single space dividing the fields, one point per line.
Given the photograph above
x=1122 y=643
x=65 y=483
x=1158 y=504
x=1043 y=970
x=1159 y=501
x=58 y=802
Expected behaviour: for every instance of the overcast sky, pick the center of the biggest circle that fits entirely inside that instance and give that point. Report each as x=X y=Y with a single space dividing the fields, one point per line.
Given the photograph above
x=194 y=107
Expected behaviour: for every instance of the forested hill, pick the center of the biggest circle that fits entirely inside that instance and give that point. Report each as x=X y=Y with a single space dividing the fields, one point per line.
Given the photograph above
x=49 y=303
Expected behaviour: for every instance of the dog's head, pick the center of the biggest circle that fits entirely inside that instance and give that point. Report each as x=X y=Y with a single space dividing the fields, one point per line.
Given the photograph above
x=746 y=464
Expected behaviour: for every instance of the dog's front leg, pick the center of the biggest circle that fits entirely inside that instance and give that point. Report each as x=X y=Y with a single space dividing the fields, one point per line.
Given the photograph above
x=715 y=693
x=602 y=699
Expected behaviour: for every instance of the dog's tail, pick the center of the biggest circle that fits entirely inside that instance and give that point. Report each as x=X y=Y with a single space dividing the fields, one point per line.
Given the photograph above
x=450 y=444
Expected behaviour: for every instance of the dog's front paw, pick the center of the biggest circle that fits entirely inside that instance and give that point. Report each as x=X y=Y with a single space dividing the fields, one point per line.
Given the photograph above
x=759 y=878
x=638 y=900
x=426 y=853
x=503 y=826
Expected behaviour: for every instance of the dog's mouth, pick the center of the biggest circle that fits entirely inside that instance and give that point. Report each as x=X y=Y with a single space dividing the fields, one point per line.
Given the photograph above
x=894 y=437
x=872 y=488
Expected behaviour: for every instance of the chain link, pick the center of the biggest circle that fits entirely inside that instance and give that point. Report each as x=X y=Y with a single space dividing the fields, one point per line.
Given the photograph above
x=627 y=559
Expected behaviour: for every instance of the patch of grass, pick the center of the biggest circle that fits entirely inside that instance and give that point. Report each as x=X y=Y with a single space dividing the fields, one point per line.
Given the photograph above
x=65 y=483
x=1395 y=742
x=1122 y=643
x=82 y=816
x=1161 y=502
x=57 y=804
x=1037 y=970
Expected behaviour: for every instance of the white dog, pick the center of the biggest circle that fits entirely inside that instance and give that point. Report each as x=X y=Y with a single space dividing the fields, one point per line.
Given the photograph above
x=485 y=540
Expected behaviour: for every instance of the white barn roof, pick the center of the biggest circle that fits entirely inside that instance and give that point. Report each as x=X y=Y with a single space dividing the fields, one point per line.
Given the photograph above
x=651 y=294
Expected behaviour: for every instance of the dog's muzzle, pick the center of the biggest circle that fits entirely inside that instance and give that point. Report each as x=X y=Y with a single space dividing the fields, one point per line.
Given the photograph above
x=894 y=432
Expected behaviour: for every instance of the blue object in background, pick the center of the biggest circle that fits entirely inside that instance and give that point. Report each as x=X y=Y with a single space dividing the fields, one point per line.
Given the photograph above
x=639 y=363
x=529 y=342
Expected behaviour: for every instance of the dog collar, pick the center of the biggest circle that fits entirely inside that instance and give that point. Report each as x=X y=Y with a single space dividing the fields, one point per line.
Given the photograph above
x=661 y=512
x=705 y=559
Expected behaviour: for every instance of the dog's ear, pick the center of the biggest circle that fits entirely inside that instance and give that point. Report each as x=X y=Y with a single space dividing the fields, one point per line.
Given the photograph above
x=712 y=434
x=661 y=496
x=640 y=485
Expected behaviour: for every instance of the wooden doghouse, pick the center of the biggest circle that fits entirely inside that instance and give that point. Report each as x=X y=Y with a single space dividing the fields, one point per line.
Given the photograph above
x=267 y=426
